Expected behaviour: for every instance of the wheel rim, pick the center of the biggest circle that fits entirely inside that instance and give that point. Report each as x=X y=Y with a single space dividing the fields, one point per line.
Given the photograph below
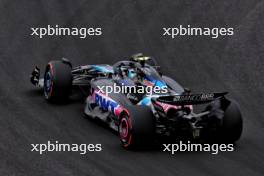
x=48 y=83
x=124 y=131
x=124 y=128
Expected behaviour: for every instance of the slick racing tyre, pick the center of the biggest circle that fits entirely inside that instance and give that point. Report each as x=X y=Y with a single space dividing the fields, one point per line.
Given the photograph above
x=57 y=81
x=231 y=127
x=136 y=127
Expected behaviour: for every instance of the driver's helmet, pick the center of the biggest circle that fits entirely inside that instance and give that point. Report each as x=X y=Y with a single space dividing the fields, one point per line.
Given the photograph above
x=131 y=73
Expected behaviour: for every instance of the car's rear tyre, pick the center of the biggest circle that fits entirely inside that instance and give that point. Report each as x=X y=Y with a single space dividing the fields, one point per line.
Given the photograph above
x=231 y=127
x=57 y=81
x=136 y=127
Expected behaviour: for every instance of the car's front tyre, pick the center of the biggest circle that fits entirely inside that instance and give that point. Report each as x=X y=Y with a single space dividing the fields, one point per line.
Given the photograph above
x=57 y=81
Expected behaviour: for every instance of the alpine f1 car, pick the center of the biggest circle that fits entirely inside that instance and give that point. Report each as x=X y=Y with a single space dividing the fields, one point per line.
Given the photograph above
x=141 y=117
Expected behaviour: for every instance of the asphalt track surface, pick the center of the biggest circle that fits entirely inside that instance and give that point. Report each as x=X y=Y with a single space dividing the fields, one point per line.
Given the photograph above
x=234 y=64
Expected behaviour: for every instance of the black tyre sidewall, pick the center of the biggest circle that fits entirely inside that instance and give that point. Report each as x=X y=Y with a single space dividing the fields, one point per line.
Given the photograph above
x=141 y=125
x=61 y=81
x=231 y=129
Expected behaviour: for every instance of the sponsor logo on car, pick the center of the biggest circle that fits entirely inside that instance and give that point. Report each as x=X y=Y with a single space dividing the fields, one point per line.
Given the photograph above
x=107 y=104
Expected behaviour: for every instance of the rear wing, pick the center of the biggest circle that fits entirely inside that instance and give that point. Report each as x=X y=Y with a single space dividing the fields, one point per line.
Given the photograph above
x=190 y=99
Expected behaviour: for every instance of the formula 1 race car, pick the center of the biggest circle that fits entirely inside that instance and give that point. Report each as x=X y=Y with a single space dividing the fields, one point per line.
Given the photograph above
x=135 y=99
